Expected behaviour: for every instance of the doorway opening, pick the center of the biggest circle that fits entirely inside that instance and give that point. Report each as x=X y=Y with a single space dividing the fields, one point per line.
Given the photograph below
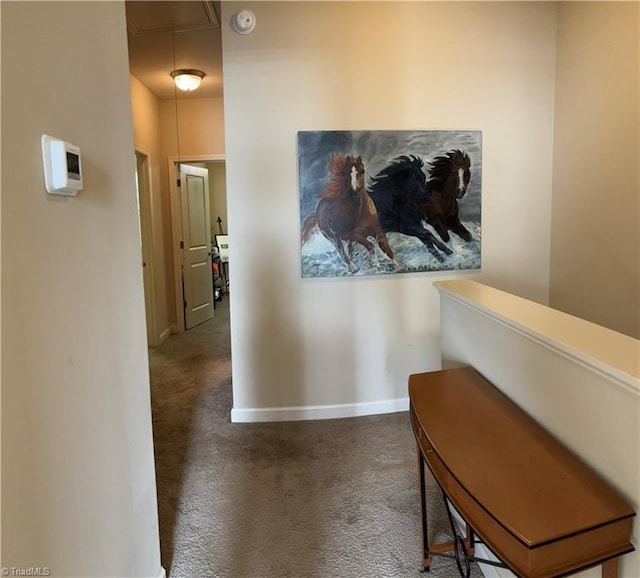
x=198 y=217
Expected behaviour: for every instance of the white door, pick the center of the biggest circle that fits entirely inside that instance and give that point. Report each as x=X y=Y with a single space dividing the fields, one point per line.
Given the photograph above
x=196 y=245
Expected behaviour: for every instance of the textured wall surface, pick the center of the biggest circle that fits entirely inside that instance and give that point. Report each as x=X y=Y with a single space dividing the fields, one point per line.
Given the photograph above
x=328 y=66
x=78 y=483
x=595 y=248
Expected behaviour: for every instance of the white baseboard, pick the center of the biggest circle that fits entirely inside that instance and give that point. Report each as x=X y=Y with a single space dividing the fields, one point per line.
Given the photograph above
x=255 y=415
x=163 y=573
x=165 y=334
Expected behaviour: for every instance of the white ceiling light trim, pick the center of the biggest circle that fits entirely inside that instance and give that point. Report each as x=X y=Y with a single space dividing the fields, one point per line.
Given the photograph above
x=187 y=79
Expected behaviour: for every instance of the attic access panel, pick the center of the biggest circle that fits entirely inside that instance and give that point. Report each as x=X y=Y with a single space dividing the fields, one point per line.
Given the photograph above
x=154 y=17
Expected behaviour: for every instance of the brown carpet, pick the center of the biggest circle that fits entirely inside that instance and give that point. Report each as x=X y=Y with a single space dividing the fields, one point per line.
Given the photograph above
x=330 y=499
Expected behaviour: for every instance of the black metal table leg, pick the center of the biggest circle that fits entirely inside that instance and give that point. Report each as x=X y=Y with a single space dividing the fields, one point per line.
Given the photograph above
x=459 y=546
x=426 y=560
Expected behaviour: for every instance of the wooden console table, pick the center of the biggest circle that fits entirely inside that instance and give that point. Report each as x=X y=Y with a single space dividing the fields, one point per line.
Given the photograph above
x=535 y=505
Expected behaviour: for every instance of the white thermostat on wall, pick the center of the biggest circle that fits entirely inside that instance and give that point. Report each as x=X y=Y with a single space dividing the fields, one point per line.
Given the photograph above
x=62 y=167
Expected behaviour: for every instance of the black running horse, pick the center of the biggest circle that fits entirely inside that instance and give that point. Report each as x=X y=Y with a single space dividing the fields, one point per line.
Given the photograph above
x=399 y=191
x=449 y=177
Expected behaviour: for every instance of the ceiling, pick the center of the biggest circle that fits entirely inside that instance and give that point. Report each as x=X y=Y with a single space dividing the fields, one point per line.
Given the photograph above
x=167 y=35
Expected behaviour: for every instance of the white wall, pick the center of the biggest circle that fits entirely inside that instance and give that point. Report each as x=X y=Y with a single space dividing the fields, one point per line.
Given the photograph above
x=199 y=130
x=147 y=135
x=322 y=66
x=218 y=195
x=78 y=483
x=595 y=248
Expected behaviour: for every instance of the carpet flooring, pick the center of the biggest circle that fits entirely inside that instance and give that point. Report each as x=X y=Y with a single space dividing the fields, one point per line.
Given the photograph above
x=330 y=499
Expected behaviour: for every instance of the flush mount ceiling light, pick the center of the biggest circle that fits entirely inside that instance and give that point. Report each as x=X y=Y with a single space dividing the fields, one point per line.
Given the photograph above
x=187 y=79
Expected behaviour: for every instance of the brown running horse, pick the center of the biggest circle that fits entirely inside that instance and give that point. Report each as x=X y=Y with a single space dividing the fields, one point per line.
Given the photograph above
x=345 y=212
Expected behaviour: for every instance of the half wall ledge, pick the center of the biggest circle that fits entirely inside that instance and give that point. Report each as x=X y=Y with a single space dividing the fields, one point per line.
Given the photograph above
x=602 y=349
x=580 y=381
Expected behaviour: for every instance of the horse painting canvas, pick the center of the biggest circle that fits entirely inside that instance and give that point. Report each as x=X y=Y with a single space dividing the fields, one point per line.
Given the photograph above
x=382 y=202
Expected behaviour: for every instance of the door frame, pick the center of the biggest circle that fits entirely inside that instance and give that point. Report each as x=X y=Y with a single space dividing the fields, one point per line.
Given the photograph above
x=145 y=200
x=176 y=226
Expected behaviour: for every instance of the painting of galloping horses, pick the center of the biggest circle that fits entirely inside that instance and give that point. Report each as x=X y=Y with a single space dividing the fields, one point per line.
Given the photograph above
x=383 y=202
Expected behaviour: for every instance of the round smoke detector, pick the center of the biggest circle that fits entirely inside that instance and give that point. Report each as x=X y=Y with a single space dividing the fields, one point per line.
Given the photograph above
x=243 y=22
